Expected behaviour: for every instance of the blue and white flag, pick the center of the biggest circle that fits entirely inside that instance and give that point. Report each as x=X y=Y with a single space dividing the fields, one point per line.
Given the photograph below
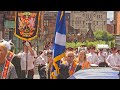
x=59 y=42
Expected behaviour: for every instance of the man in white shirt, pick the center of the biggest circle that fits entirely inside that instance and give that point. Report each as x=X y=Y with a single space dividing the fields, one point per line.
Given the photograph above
x=42 y=60
x=113 y=59
x=27 y=56
x=102 y=58
x=118 y=53
x=92 y=57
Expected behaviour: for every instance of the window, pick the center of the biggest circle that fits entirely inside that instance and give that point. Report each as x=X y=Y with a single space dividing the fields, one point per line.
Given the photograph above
x=47 y=23
x=8 y=12
x=97 y=23
x=104 y=22
x=83 y=15
x=99 y=16
x=90 y=15
x=86 y=15
x=83 y=22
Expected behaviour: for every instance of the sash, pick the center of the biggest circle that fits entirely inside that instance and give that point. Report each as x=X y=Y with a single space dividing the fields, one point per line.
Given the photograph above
x=10 y=56
x=73 y=68
x=85 y=65
x=7 y=63
x=5 y=69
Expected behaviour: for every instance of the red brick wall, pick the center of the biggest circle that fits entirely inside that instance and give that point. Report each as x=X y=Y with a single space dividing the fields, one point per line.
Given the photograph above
x=110 y=28
x=118 y=23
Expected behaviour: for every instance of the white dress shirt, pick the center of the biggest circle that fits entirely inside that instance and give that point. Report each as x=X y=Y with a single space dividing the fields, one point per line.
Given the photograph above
x=102 y=57
x=30 y=60
x=92 y=58
x=113 y=60
x=42 y=59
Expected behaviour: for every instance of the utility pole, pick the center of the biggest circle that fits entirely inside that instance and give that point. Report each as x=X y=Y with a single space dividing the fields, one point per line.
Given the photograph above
x=42 y=26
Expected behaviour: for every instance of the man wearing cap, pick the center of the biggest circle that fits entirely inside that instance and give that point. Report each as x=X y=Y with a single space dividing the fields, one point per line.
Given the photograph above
x=7 y=69
x=28 y=54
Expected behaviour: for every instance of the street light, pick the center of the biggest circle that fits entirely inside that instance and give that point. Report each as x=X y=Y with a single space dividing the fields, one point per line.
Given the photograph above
x=78 y=36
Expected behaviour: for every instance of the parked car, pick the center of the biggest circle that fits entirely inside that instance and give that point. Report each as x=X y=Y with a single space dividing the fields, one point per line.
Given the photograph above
x=96 y=73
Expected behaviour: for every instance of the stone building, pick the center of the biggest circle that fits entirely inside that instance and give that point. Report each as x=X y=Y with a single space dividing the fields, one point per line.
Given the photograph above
x=81 y=19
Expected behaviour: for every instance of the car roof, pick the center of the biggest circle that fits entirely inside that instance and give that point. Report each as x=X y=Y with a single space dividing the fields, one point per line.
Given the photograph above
x=96 y=73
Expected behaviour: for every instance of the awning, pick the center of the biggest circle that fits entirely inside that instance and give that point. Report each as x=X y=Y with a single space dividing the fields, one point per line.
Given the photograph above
x=102 y=46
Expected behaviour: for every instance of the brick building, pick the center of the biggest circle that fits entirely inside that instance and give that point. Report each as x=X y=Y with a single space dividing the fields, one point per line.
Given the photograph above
x=117 y=22
x=50 y=22
x=110 y=28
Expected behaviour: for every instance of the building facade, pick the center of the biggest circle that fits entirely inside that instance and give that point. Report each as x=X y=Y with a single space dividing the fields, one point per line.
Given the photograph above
x=110 y=28
x=80 y=19
x=117 y=22
x=50 y=24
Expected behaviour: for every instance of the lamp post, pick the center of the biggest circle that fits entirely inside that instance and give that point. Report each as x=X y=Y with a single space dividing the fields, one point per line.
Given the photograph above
x=78 y=36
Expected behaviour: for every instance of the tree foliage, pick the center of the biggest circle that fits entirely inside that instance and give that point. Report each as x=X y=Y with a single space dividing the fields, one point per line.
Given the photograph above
x=103 y=35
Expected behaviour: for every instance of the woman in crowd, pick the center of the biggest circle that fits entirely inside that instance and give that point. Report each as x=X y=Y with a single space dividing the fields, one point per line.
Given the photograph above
x=82 y=60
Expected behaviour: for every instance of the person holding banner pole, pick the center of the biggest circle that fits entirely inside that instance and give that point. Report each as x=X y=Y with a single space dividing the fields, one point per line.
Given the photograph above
x=27 y=60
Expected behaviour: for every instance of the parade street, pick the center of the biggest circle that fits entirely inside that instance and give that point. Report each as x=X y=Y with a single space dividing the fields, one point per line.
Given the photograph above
x=59 y=45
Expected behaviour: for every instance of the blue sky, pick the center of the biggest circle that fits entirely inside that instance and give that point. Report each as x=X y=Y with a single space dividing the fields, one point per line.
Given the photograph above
x=110 y=15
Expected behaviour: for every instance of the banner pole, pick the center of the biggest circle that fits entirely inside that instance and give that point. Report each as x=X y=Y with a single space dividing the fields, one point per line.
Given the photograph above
x=26 y=63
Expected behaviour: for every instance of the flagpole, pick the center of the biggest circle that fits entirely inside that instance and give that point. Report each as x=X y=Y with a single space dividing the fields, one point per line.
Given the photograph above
x=26 y=62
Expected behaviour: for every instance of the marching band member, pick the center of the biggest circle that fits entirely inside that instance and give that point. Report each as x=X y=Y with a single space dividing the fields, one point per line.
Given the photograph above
x=42 y=61
x=9 y=45
x=113 y=59
x=12 y=57
x=102 y=58
x=92 y=57
x=31 y=55
x=45 y=71
x=68 y=66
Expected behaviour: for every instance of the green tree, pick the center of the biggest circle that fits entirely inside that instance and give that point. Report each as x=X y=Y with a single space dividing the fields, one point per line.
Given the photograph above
x=110 y=37
x=98 y=35
x=103 y=35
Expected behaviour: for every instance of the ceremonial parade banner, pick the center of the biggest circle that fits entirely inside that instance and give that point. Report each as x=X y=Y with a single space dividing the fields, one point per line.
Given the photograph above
x=26 y=24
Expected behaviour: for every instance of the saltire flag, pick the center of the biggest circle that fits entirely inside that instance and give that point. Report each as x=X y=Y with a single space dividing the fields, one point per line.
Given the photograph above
x=26 y=24
x=59 y=43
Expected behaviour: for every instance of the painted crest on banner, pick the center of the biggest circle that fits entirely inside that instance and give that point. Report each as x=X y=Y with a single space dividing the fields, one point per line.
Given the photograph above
x=26 y=27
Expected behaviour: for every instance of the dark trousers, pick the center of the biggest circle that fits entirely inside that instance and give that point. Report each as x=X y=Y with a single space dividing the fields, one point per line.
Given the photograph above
x=29 y=76
x=39 y=69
